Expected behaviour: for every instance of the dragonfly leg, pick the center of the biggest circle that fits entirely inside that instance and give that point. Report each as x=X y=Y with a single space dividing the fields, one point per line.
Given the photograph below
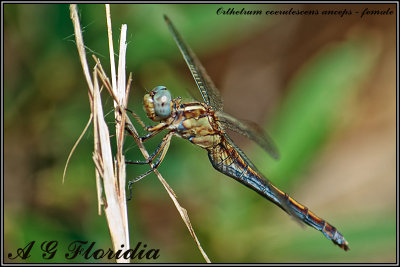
x=149 y=135
x=151 y=157
x=153 y=129
x=130 y=183
x=146 y=137
x=163 y=148
x=137 y=118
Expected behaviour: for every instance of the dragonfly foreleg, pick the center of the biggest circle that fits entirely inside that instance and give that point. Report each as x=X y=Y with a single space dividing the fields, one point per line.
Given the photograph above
x=149 y=135
x=151 y=157
x=152 y=129
x=137 y=118
x=163 y=148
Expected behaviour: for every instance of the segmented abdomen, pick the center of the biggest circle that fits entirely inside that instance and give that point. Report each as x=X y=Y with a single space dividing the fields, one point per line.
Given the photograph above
x=231 y=161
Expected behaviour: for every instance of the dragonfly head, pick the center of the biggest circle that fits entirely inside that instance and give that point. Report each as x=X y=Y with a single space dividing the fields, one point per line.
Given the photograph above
x=158 y=103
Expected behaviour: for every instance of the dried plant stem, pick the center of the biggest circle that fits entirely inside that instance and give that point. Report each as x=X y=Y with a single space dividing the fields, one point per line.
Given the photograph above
x=103 y=156
x=114 y=176
x=119 y=90
x=111 y=46
x=76 y=144
x=114 y=192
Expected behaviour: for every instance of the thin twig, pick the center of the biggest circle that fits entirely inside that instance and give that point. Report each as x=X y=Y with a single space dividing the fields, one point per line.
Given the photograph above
x=75 y=145
x=81 y=47
x=111 y=46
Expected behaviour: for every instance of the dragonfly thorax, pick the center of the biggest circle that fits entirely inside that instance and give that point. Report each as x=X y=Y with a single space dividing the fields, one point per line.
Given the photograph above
x=158 y=103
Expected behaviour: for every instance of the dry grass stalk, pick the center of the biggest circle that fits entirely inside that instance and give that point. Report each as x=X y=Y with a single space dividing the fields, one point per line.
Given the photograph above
x=114 y=177
x=114 y=204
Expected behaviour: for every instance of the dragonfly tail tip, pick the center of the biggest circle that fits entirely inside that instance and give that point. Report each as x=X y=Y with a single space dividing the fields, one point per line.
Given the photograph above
x=344 y=246
x=166 y=18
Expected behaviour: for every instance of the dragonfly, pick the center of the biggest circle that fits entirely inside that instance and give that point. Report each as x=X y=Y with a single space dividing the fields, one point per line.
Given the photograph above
x=204 y=124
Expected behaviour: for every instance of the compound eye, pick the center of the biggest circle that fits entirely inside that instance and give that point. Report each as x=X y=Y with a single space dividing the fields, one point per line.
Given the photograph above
x=158 y=89
x=162 y=102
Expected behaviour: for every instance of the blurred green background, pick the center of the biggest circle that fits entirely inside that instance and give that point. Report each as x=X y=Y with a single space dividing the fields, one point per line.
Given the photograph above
x=323 y=86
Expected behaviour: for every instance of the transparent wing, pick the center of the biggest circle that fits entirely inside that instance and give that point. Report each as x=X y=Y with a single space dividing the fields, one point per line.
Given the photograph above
x=250 y=130
x=206 y=86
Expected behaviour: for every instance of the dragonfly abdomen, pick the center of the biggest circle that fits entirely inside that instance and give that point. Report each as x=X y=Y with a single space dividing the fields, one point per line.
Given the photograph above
x=232 y=162
x=229 y=161
x=305 y=215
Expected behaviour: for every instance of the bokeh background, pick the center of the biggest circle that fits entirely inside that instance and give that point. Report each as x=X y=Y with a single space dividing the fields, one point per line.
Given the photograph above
x=323 y=86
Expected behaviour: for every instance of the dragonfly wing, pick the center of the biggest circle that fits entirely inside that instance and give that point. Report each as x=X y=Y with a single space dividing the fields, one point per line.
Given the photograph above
x=250 y=130
x=206 y=86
